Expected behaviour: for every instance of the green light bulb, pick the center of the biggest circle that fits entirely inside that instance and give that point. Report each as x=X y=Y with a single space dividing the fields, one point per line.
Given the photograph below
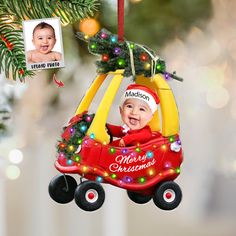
x=142 y=180
x=159 y=67
x=113 y=176
x=177 y=170
x=93 y=46
x=171 y=139
x=131 y=45
x=77 y=158
x=112 y=150
x=121 y=62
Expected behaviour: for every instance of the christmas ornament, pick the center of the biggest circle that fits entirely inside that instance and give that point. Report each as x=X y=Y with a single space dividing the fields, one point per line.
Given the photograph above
x=146 y=170
x=89 y=26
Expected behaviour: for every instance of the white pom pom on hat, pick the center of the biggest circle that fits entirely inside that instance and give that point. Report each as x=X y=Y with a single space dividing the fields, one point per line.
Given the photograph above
x=143 y=93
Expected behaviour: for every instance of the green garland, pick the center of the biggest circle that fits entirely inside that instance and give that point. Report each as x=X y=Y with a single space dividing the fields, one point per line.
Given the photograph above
x=135 y=59
x=13 y=12
x=73 y=135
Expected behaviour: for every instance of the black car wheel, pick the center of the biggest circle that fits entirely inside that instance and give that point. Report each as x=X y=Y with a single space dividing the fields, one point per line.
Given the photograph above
x=138 y=198
x=89 y=195
x=62 y=188
x=167 y=196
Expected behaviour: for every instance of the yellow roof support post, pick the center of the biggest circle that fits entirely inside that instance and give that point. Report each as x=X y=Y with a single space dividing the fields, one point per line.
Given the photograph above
x=170 y=115
x=97 y=128
x=90 y=94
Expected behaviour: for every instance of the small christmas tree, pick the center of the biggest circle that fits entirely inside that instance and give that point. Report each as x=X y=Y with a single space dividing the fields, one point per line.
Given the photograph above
x=135 y=59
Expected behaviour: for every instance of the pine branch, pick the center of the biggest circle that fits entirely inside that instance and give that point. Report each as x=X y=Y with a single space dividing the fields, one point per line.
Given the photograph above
x=12 y=12
x=12 y=57
x=69 y=11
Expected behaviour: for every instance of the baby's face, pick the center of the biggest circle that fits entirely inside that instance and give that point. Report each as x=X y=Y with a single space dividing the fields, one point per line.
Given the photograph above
x=135 y=113
x=44 y=40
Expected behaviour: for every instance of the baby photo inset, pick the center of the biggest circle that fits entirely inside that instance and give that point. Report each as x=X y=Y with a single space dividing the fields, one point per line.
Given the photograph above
x=43 y=44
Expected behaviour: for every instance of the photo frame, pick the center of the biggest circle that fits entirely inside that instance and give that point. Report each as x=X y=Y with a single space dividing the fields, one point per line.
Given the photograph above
x=43 y=44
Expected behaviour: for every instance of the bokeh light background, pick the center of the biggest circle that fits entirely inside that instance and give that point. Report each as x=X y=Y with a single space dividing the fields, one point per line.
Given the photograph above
x=205 y=58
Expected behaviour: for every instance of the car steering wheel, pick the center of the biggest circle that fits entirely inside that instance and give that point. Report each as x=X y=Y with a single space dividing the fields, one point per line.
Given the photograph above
x=109 y=133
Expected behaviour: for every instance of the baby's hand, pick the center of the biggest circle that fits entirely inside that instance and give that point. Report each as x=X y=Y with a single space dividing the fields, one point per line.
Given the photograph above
x=122 y=143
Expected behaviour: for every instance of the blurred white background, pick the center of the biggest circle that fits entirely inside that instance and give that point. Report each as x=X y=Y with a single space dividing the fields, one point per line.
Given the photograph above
x=207 y=107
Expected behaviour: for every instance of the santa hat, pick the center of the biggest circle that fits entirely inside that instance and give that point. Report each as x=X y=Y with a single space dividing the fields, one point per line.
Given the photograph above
x=142 y=93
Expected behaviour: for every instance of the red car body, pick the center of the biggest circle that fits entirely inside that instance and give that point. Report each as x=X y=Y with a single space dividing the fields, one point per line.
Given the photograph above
x=136 y=168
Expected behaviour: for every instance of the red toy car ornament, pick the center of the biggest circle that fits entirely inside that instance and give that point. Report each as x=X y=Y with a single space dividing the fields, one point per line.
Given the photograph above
x=147 y=171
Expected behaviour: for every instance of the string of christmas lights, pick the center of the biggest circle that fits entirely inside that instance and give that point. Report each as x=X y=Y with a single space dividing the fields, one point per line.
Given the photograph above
x=135 y=59
x=74 y=136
